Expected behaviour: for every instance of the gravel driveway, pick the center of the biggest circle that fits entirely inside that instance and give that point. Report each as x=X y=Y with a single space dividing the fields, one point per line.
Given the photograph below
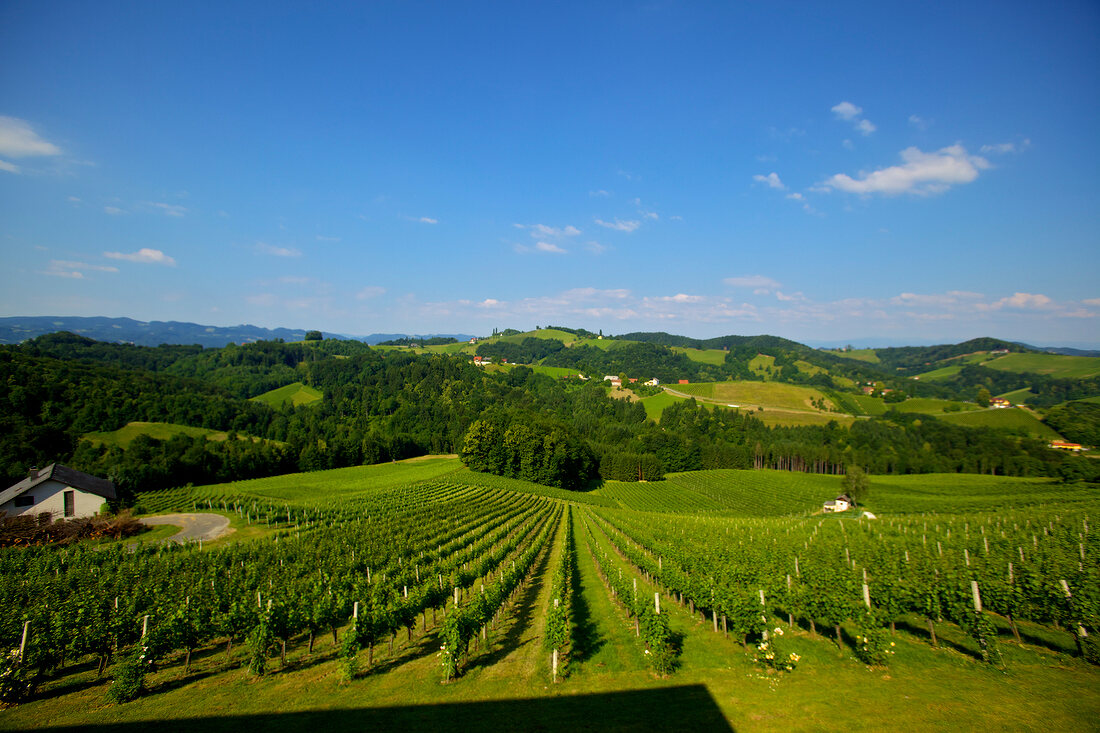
x=194 y=526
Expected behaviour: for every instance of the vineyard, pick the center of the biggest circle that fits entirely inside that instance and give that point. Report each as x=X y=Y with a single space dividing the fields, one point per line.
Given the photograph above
x=419 y=592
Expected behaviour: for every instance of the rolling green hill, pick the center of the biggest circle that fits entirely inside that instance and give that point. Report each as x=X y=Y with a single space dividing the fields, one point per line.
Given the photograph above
x=1012 y=418
x=1053 y=365
x=159 y=430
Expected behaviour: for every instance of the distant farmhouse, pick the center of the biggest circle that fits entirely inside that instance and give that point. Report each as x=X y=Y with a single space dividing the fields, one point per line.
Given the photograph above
x=1066 y=445
x=59 y=491
x=999 y=402
x=840 y=504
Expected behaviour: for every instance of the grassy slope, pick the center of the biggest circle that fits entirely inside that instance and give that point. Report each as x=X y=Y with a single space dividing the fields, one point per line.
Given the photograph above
x=868 y=355
x=703 y=356
x=295 y=393
x=1012 y=418
x=1055 y=365
x=159 y=430
x=766 y=394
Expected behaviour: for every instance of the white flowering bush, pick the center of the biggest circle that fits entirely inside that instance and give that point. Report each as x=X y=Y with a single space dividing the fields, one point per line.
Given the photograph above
x=871 y=645
x=15 y=681
x=770 y=655
x=130 y=675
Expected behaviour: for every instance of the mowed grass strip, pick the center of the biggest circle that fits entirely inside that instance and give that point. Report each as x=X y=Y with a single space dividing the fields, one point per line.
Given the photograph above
x=295 y=393
x=765 y=394
x=1054 y=365
x=158 y=430
x=1011 y=418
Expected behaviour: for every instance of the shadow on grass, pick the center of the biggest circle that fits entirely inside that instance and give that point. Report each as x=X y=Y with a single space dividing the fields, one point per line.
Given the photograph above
x=586 y=636
x=523 y=613
x=688 y=707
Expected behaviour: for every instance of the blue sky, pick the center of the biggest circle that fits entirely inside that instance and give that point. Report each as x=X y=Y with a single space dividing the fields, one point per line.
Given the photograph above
x=892 y=172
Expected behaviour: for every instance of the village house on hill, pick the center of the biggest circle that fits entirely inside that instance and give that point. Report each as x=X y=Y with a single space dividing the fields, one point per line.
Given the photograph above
x=840 y=504
x=59 y=491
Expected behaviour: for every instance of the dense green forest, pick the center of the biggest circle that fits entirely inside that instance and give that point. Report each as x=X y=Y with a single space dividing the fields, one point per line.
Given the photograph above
x=381 y=405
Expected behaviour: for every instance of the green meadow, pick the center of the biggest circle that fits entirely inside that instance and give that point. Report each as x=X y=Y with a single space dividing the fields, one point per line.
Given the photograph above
x=295 y=394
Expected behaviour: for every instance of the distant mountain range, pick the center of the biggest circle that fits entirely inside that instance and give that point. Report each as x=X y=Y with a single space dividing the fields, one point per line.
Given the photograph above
x=16 y=329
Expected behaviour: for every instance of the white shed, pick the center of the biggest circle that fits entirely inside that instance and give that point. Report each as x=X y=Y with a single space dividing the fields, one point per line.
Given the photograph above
x=58 y=490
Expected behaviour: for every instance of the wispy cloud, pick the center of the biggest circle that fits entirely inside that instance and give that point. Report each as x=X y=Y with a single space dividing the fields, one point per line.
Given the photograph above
x=19 y=140
x=599 y=194
x=549 y=247
x=851 y=113
x=145 y=255
x=921 y=173
x=751 y=281
x=371 y=291
x=1006 y=148
x=169 y=209
x=9 y=167
x=543 y=231
x=112 y=210
x=427 y=220
x=919 y=122
x=268 y=249
x=74 y=270
x=772 y=181
x=620 y=225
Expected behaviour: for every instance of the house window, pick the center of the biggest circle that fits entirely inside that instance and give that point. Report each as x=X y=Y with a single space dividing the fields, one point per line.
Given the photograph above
x=25 y=500
x=70 y=503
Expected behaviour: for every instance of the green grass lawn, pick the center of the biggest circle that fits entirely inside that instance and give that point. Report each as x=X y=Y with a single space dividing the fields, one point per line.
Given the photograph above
x=868 y=355
x=941 y=373
x=295 y=393
x=703 y=356
x=1054 y=365
x=766 y=394
x=1018 y=396
x=655 y=405
x=159 y=430
x=1011 y=418
x=929 y=406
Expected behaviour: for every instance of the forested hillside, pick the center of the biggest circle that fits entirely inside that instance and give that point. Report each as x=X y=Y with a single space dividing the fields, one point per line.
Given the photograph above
x=383 y=405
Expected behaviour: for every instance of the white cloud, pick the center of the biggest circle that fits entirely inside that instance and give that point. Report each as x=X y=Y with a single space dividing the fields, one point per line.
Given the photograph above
x=19 y=140
x=681 y=298
x=851 y=113
x=751 y=281
x=542 y=231
x=1091 y=301
x=1006 y=148
x=548 y=247
x=619 y=225
x=145 y=255
x=71 y=274
x=427 y=220
x=170 y=209
x=595 y=247
x=112 y=210
x=866 y=127
x=919 y=122
x=9 y=167
x=795 y=196
x=772 y=179
x=1023 y=301
x=70 y=265
x=268 y=249
x=74 y=199
x=650 y=215
x=921 y=173
x=371 y=291
x=599 y=194
x=847 y=111
x=791 y=298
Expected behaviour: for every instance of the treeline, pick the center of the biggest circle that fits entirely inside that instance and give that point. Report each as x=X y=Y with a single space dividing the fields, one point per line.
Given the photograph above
x=528 y=351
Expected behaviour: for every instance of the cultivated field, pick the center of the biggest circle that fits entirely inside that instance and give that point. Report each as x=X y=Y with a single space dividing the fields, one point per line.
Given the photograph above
x=421 y=595
x=159 y=430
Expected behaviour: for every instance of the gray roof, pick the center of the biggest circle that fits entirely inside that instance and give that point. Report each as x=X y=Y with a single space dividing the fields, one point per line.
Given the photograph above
x=64 y=474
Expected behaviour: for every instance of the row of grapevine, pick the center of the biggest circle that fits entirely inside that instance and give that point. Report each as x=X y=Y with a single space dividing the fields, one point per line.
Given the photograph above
x=559 y=615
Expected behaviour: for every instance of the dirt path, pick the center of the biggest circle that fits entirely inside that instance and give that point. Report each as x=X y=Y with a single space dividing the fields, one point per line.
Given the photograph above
x=193 y=527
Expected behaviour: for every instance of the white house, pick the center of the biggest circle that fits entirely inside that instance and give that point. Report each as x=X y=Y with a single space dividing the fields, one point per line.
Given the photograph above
x=840 y=504
x=653 y=382
x=58 y=490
